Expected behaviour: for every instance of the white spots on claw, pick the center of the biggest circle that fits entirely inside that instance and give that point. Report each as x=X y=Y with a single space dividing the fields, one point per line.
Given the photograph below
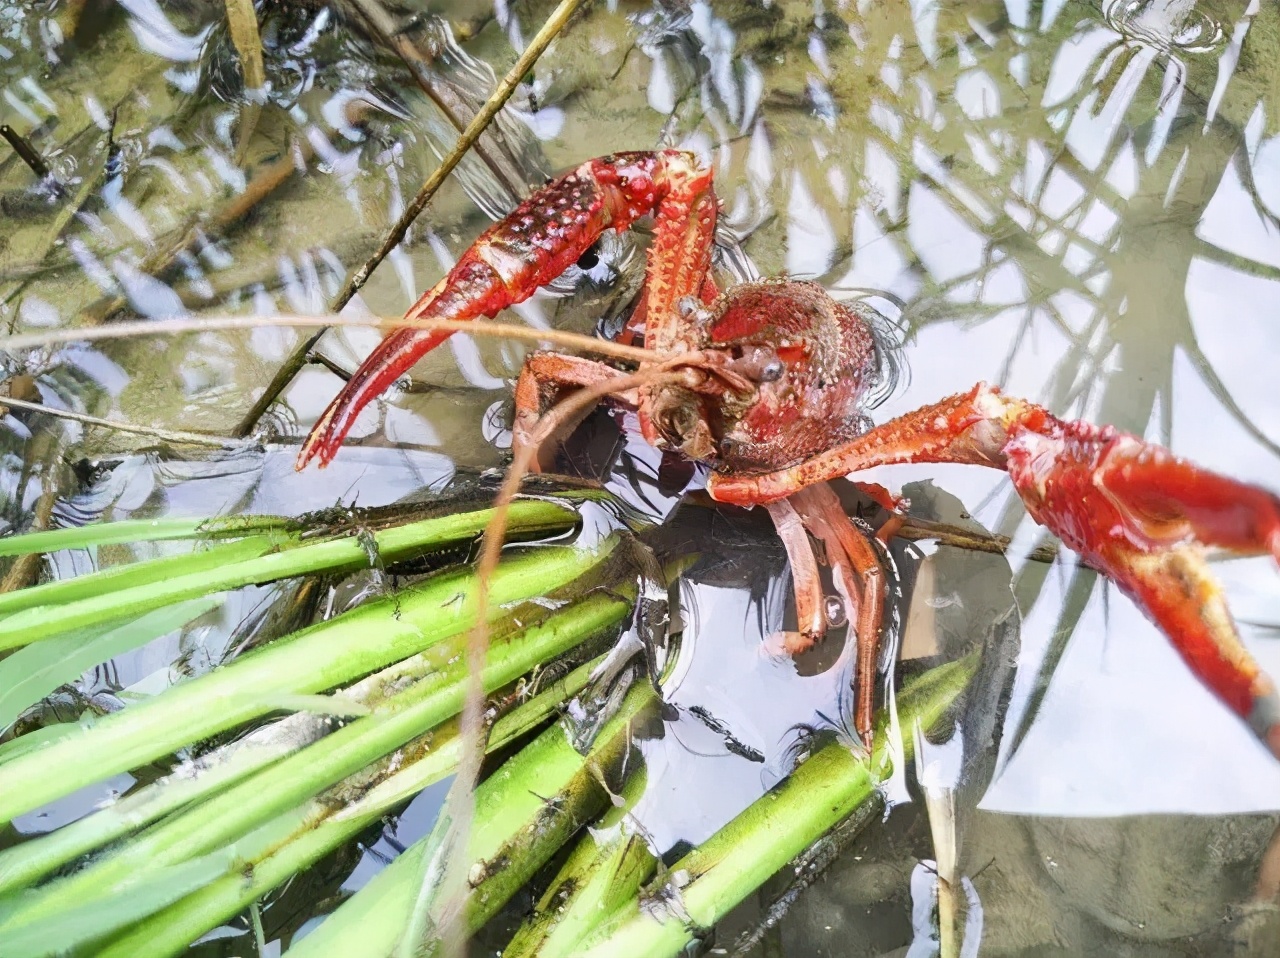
x=988 y=402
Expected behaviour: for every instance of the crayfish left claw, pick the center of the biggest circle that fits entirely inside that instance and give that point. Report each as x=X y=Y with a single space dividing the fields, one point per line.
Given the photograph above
x=1142 y=516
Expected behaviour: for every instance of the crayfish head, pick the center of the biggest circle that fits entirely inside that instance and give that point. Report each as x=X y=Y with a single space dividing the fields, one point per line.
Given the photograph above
x=810 y=362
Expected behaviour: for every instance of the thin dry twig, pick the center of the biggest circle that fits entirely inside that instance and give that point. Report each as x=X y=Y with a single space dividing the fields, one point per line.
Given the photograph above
x=457 y=804
x=26 y=567
x=298 y=358
x=207 y=324
x=167 y=435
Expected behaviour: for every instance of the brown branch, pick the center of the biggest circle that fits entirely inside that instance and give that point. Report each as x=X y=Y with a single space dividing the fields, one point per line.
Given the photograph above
x=167 y=435
x=578 y=342
x=26 y=152
x=298 y=358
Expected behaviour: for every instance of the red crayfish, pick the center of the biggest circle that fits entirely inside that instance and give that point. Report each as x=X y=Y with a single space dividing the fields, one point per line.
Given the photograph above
x=766 y=384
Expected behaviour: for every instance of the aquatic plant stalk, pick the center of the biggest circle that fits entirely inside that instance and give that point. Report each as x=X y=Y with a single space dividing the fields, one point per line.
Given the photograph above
x=736 y=860
x=256 y=802
x=170 y=931
x=25 y=864
x=61 y=593
x=524 y=811
x=111 y=595
x=605 y=869
x=312 y=660
x=139 y=530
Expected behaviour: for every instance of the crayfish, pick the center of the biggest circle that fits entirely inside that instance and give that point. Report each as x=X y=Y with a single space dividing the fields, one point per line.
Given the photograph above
x=766 y=384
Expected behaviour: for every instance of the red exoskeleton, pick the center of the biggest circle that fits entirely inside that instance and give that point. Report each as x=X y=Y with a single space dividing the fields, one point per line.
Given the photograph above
x=766 y=384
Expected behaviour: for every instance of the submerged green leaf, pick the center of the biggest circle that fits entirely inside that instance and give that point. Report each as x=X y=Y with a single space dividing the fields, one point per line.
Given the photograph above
x=96 y=917
x=30 y=674
x=339 y=706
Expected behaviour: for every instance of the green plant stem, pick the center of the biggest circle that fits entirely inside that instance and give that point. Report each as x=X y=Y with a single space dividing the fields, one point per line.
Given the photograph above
x=138 y=530
x=49 y=597
x=301 y=558
x=605 y=869
x=249 y=805
x=523 y=813
x=312 y=660
x=170 y=932
x=24 y=864
x=736 y=860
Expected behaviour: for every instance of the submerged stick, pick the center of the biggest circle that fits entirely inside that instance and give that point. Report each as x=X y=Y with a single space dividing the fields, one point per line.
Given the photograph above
x=26 y=152
x=298 y=358
x=167 y=435
x=265 y=182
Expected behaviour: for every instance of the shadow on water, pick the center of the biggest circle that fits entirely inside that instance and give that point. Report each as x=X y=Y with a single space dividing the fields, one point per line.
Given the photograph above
x=1077 y=201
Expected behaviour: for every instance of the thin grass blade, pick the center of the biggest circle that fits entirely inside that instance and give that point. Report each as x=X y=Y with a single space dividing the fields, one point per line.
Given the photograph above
x=290 y=558
x=85 y=922
x=30 y=674
x=605 y=870
x=317 y=658
x=65 y=592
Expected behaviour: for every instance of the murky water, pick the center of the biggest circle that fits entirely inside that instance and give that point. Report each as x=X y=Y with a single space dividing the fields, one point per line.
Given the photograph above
x=1076 y=201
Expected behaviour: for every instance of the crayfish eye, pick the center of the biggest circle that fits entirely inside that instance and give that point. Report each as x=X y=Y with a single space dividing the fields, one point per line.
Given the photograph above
x=772 y=371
